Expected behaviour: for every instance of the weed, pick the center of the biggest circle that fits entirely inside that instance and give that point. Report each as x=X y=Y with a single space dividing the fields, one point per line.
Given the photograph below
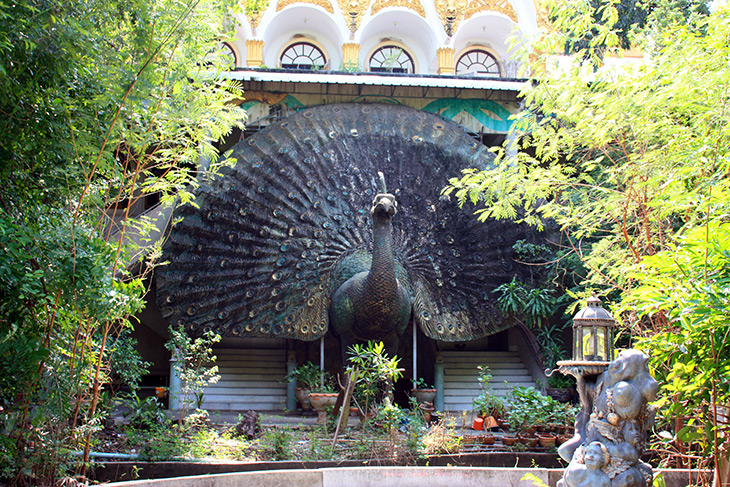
x=440 y=438
x=277 y=443
x=157 y=443
x=535 y=480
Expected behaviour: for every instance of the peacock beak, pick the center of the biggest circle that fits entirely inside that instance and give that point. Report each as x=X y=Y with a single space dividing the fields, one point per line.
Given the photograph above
x=384 y=204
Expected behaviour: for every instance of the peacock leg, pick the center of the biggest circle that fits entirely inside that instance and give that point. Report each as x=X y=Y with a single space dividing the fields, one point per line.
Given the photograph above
x=347 y=339
x=392 y=342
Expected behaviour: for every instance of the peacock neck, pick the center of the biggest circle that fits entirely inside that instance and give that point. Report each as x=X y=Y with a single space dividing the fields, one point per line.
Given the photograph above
x=382 y=270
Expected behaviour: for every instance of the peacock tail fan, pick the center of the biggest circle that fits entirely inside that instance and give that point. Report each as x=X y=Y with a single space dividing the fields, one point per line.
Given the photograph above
x=275 y=236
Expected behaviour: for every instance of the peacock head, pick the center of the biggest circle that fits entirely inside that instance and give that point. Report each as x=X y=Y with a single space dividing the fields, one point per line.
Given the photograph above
x=384 y=205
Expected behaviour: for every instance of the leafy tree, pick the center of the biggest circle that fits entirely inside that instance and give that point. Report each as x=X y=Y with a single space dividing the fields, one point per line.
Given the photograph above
x=630 y=160
x=627 y=21
x=194 y=363
x=619 y=164
x=375 y=373
x=687 y=287
x=105 y=105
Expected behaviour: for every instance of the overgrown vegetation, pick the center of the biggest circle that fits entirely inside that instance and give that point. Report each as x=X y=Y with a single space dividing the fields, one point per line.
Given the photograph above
x=194 y=364
x=108 y=108
x=630 y=161
x=374 y=373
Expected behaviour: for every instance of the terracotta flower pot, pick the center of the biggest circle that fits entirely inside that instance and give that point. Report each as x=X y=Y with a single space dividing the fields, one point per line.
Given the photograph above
x=562 y=439
x=491 y=422
x=529 y=441
x=320 y=402
x=509 y=440
x=546 y=440
x=486 y=439
x=468 y=440
x=427 y=412
x=424 y=395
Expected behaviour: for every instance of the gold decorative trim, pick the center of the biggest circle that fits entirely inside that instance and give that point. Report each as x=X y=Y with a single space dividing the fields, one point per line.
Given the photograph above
x=325 y=4
x=446 y=60
x=501 y=6
x=350 y=55
x=353 y=12
x=456 y=11
x=414 y=5
x=255 y=52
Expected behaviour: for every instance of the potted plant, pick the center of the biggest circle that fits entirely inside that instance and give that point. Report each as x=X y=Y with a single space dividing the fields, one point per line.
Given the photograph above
x=560 y=387
x=423 y=392
x=487 y=439
x=546 y=440
x=375 y=374
x=526 y=406
x=307 y=377
x=323 y=395
x=488 y=404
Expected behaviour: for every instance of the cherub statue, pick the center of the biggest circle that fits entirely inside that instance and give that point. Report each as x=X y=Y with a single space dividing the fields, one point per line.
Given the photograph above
x=586 y=468
x=625 y=388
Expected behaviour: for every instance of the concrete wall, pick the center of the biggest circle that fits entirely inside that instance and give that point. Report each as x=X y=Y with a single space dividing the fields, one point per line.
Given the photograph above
x=385 y=477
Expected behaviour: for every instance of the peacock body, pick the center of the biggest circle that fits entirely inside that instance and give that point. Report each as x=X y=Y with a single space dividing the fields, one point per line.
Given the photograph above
x=374 y=304
x=282 y=244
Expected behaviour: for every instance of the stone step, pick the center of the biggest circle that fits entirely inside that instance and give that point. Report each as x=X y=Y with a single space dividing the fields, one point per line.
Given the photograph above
x=461 y=375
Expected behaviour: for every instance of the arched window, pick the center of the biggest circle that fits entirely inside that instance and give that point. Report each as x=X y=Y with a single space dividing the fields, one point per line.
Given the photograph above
x=303 y=55
x=223 y=56
x=479 y=62
x=391 y=59
x=227 y=55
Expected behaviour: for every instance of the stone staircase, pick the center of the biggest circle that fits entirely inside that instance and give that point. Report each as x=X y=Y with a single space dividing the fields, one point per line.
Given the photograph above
x=460 y=376
x=250 y=379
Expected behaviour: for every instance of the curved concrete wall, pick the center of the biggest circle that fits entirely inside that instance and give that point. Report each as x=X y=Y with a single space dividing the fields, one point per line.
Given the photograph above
x=356 y=477
x=386 y=477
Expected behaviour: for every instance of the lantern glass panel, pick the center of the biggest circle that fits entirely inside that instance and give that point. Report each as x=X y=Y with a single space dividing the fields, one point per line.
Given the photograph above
x=588 y=343
x=602 y=352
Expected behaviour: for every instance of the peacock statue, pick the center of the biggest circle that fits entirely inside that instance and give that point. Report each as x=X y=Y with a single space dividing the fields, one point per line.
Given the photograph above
x=283 y=244
x=374 y=303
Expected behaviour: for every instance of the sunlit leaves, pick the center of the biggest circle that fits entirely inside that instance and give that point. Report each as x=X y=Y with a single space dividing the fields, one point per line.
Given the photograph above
x=689 y=284
x=105 y=104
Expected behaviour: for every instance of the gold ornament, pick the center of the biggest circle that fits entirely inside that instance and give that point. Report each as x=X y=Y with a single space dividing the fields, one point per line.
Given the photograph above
x=453 y=12
x=325 y=4
x=353 y=11
x=414 y=5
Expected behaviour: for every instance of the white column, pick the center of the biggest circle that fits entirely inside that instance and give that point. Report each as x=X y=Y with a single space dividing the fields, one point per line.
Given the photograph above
x=415 y=354
x=173 y=392
x=321 y=361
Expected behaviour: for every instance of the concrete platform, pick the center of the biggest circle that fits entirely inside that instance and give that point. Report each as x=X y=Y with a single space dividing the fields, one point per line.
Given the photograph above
x=387 y=477
x=357 y=476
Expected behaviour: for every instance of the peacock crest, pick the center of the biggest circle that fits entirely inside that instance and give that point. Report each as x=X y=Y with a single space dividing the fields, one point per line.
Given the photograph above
x=279 y=233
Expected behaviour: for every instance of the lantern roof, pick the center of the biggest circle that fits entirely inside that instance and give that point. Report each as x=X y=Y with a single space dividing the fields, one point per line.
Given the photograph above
x=593 y=315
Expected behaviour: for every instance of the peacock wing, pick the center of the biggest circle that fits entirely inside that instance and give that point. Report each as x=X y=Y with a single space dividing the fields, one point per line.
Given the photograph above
x=278 y=233
x=455 y=264
x=259 y=255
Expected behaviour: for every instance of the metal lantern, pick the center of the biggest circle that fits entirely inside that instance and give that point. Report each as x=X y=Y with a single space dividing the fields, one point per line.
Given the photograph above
x=593 y=333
